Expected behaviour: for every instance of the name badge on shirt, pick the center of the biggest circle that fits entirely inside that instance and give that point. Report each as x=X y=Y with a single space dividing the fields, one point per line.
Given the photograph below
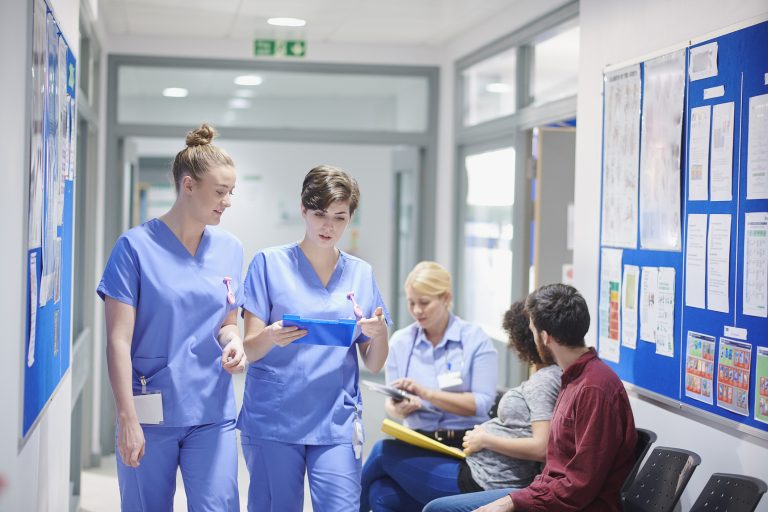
x=449 y=380
x=149 y=408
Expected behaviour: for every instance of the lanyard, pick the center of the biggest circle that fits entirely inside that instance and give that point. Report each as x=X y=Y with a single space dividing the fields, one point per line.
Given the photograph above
x=413 y=347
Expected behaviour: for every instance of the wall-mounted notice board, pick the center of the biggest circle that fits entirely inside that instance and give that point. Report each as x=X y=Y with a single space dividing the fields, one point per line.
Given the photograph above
x=48 y=275
x=683 y=280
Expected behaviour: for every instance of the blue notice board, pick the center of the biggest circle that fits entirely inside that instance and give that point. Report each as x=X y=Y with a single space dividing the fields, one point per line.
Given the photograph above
x=48 y=276
x=719 y=362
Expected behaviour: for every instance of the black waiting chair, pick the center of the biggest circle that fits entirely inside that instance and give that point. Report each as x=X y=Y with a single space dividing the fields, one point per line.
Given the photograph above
x=730 y=493
x=645 y=438
x=661 y=480
x=494 y=411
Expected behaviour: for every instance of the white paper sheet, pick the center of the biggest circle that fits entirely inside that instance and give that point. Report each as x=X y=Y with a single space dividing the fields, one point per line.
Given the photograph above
x=665 y=310
x=714 y=92
x=660 y=147
x=757 y=148
x=721 y=175
x=698 y=156
x=36 y=171
x=703 y=61
x=630 y=287
x=610 y=303
x=649 y=282
x=718 y=262
x=621 y=149
x=695 y=260
x=756 y=264
x=32 y=308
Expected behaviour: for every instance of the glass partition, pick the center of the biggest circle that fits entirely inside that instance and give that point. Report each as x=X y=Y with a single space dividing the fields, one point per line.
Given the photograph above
x=556 y=64
x=488 y=231
x=490 y=88
x=272 y=99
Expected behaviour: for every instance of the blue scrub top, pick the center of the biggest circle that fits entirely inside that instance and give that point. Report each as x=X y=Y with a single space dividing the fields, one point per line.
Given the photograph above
x=305 y=394
x=181 y=302
x=466 y=348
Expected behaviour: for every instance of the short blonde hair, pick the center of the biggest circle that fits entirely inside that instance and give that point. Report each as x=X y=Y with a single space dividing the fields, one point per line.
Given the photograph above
x=429 y=278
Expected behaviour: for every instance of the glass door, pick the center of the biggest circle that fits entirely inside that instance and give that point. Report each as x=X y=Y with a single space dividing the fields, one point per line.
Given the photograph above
x=488 y=255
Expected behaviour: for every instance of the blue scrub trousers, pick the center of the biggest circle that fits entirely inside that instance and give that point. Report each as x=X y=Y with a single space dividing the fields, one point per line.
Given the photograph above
x=207 y=455
x=277 y=476
x=399 y=477
x=466 y=502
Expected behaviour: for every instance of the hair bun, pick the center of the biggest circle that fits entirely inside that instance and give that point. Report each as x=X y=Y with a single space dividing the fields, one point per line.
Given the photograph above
x=200 y=136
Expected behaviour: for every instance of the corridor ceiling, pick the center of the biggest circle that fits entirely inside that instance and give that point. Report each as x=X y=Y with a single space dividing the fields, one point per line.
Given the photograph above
x=380 y=22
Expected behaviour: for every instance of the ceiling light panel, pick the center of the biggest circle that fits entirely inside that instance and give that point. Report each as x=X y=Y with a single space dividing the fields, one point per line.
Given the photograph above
x=287 y=22
x=248 y=80
x=175 y=92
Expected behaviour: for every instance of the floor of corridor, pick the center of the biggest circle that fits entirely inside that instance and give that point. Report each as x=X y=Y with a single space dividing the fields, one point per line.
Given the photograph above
x=100 y=493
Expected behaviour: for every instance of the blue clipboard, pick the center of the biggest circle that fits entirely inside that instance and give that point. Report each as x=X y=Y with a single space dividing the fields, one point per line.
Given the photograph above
x=330 y=333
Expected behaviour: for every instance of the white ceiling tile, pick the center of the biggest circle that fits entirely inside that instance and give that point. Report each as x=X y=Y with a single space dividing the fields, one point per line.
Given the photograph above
x=113 y=13
x=393 y=22
x=154 y=20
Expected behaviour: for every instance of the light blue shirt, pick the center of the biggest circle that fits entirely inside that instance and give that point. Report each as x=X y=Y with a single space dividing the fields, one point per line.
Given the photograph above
x=305 y=394
x=465 y=348
x=181 y=302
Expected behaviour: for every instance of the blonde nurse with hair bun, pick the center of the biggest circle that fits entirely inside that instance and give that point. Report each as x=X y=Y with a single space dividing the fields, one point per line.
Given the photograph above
x=171 y=289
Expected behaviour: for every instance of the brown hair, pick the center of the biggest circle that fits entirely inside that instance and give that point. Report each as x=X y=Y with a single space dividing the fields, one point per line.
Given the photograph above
x=520 y=336
x=325 y=185
x=560 y=310
x=199 y=156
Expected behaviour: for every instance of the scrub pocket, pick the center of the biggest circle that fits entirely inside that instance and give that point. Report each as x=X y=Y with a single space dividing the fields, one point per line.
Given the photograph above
x=154 y=369
x=266 y=388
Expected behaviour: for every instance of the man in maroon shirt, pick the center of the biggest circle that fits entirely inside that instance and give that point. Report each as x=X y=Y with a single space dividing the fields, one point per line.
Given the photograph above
x=592 y=433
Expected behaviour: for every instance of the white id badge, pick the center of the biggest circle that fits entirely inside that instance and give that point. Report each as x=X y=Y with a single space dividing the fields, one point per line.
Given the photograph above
x=358 y=438
x=449 y=380
x=149 y=408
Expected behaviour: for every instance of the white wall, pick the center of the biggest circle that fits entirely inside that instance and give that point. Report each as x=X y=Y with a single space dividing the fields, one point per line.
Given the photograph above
x=613 y=32
x=265 y=208
x=36 y=474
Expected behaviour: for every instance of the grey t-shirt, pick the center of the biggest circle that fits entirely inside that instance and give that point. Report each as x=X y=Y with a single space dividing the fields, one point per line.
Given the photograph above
x=533 y=400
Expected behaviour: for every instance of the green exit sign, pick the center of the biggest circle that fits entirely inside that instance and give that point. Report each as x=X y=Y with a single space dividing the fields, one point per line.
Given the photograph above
x=277 y=47
x=264 y=47
x=295 y=48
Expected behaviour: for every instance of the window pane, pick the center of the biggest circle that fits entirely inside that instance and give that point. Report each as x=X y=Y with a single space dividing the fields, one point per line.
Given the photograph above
x=556 y=64
x=272 y=99
x=490 y=88
x=488 y=234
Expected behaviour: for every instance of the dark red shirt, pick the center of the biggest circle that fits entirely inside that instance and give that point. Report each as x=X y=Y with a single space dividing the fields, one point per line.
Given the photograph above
x=591 y=443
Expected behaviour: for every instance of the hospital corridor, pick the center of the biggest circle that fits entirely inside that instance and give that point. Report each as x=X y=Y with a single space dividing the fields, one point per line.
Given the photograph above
x=401 y=255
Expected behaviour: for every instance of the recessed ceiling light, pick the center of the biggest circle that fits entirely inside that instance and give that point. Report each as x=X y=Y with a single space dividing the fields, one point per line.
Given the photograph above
x=287 y=22
x=239 y=103
x=498 y=87
x=248 y=80
x=175 y=92
x=245 y=93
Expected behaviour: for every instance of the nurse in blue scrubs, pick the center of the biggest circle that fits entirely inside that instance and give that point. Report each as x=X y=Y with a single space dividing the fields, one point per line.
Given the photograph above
x=171 y=290
x=302 y=408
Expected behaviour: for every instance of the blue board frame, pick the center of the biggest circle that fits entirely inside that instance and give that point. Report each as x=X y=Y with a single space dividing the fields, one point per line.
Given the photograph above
x=47 y=364
x=742 y=71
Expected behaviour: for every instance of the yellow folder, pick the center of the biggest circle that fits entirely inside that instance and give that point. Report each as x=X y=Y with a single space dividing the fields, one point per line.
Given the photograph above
x=410 y=436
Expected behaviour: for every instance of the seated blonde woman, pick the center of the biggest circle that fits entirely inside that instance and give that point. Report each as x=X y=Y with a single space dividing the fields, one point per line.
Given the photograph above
x=504 y=452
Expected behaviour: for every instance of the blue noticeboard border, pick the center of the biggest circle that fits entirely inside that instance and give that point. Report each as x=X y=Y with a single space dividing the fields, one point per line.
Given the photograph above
x=742 y=70
x=330 y=333
x=46 y=363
